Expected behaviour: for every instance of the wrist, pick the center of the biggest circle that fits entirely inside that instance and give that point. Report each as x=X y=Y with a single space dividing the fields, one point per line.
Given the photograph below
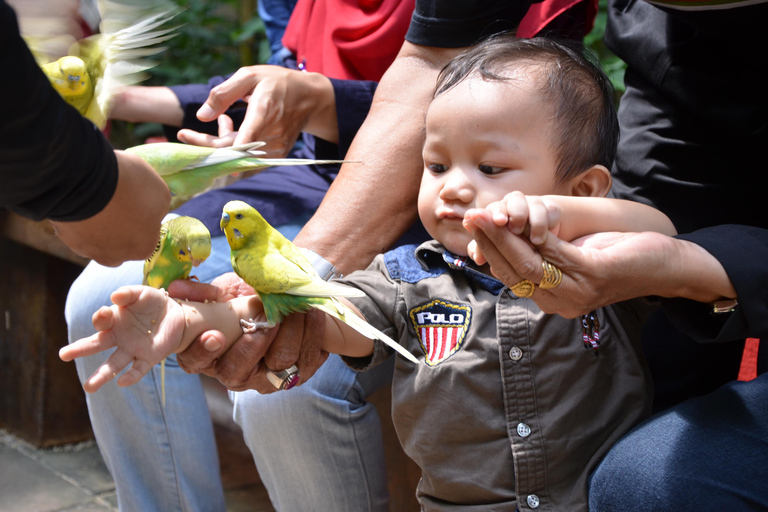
x=322 y=266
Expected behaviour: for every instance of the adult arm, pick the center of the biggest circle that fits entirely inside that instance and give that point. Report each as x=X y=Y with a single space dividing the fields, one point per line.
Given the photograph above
x=56 y=165
x=605 y=268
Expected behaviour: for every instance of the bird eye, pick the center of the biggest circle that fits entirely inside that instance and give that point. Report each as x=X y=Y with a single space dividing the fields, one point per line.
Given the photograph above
x=239 y=216
x=181 y=252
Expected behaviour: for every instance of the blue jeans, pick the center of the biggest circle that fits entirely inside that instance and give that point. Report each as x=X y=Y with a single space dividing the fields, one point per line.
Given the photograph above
x=708 y=453
x=316 y=447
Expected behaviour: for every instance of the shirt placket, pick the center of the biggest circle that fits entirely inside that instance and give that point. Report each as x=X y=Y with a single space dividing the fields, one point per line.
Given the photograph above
x=523 y=423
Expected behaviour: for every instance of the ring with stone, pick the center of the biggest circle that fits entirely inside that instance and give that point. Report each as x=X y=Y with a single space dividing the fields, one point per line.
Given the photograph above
x=284 y=379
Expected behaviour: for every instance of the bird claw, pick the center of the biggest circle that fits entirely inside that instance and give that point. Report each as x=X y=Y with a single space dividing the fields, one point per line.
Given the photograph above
x=249 y=326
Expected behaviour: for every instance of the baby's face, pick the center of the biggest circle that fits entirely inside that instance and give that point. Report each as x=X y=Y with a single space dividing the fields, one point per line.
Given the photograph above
x=484 y=139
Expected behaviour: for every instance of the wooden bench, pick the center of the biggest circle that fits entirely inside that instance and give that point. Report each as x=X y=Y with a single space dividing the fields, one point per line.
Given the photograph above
x=42 y=400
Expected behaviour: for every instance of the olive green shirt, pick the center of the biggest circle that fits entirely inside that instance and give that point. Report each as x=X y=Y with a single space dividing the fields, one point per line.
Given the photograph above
x=508 y=408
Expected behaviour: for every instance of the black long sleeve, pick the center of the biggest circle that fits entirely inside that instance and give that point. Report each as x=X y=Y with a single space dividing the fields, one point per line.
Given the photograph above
x=54 y=163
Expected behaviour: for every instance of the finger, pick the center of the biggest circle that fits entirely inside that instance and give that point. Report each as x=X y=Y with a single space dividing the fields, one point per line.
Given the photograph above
x=224 y=95
x=195 y=138
x=538 y=220
x=284 y=350
x=126 y=295
x=108 y=371
x=517 y=211
x=203 y=353
x=103 y=319
x=87 y=346
x=256 y=115
x=498 y=212
x=226 y=126
x=138 y=369
x=243 y=359
x=311 y=356
x=193 y=290
x=475 y=253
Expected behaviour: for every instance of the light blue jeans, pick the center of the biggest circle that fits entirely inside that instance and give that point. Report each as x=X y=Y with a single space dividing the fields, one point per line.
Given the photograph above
x=316 y=447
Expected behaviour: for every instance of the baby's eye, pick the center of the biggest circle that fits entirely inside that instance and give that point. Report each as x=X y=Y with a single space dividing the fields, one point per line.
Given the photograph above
x=490 y=170
x=437 y=168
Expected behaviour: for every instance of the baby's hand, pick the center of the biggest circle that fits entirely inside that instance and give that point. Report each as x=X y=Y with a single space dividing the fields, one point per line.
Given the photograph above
x=145 y=325
x=529 y=216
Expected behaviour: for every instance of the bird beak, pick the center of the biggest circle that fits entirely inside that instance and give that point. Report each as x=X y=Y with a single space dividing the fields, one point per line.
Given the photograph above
x=195 y=262
x=224 y=220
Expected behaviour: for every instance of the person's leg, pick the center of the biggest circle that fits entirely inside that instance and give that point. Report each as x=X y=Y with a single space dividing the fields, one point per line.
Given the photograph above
x=319 y=446
x=162 y=458
x=709 y=453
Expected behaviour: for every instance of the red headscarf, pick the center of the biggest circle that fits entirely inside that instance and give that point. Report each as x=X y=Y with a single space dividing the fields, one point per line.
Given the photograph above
x=359 y=39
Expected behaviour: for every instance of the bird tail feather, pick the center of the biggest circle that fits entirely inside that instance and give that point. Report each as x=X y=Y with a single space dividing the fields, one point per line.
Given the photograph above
x=338 y=310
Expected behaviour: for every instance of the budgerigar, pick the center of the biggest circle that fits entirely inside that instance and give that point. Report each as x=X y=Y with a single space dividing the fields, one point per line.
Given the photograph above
x=97 y=67
x=189 y=170
x=184 y=243
x=283 y=276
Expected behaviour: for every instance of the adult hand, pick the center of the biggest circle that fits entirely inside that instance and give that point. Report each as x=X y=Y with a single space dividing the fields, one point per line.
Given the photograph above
x=281 y=104
x=129 y=226
x=244 y=365
x=600 y=269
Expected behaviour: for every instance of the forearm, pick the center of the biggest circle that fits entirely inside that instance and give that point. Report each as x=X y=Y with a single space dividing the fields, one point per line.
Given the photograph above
x=695 y=274
x=372 y=202
x=200 y=317
x=141 y=104
x=342 y=339
x=128 y=227
x=581 y=216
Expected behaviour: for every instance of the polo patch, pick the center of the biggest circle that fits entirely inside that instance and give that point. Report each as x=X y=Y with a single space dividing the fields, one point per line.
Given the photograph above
x=441 y=327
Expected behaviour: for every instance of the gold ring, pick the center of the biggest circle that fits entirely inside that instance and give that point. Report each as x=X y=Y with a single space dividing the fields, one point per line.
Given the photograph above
x=553 y=276
x=523 y=289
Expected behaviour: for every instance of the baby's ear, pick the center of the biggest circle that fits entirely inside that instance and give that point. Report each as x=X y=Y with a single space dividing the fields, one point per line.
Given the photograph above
x=594 y=182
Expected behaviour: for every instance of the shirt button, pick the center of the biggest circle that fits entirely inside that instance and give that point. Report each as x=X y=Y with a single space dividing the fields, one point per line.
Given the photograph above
x=515 y=353
x=533 y=501
x=523 y=430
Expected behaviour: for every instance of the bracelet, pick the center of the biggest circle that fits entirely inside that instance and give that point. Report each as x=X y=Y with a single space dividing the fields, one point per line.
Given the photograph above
x=724 y=306
x=324 y=268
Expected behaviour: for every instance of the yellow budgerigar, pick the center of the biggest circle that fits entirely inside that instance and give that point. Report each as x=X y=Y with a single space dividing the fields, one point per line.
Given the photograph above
x=184 y=243
x=283 y=276
x=189 y=170
x=97 y=67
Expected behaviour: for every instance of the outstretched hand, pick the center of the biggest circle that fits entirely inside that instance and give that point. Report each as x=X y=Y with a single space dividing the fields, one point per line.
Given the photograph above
x=243 y=365
x=149 y=327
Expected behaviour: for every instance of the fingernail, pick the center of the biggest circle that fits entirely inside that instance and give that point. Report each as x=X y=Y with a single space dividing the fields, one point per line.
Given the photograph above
x=211 y=344
x=205 y=112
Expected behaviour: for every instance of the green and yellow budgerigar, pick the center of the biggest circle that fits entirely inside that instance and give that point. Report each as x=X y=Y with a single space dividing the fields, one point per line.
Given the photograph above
x=189 y=170
x=283 y=276
x=97 y=67
x=184 y=243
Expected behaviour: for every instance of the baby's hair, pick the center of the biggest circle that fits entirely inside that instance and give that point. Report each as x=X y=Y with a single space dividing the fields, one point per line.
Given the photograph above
x=581 y=95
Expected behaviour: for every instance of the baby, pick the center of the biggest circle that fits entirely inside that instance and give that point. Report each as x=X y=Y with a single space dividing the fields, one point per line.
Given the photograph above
x=508 y=410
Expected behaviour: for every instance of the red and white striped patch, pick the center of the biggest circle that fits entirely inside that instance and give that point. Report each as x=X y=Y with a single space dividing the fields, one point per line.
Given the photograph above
x=441 y=327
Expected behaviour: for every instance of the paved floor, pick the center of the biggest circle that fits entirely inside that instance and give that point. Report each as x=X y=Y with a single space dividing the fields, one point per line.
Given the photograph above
x=74 y=478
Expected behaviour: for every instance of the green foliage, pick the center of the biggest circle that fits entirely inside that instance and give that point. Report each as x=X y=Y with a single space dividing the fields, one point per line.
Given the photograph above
x=208 y=42
x=613 y=65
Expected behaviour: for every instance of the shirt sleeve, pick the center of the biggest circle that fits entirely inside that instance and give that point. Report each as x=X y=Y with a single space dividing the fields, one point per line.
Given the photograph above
x=459 y=23
x=54 y=163
x=378 y=306
x=742 y=251
x=353 y=101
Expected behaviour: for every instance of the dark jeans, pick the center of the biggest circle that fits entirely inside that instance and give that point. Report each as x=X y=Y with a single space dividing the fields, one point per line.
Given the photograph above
x=709 y=453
